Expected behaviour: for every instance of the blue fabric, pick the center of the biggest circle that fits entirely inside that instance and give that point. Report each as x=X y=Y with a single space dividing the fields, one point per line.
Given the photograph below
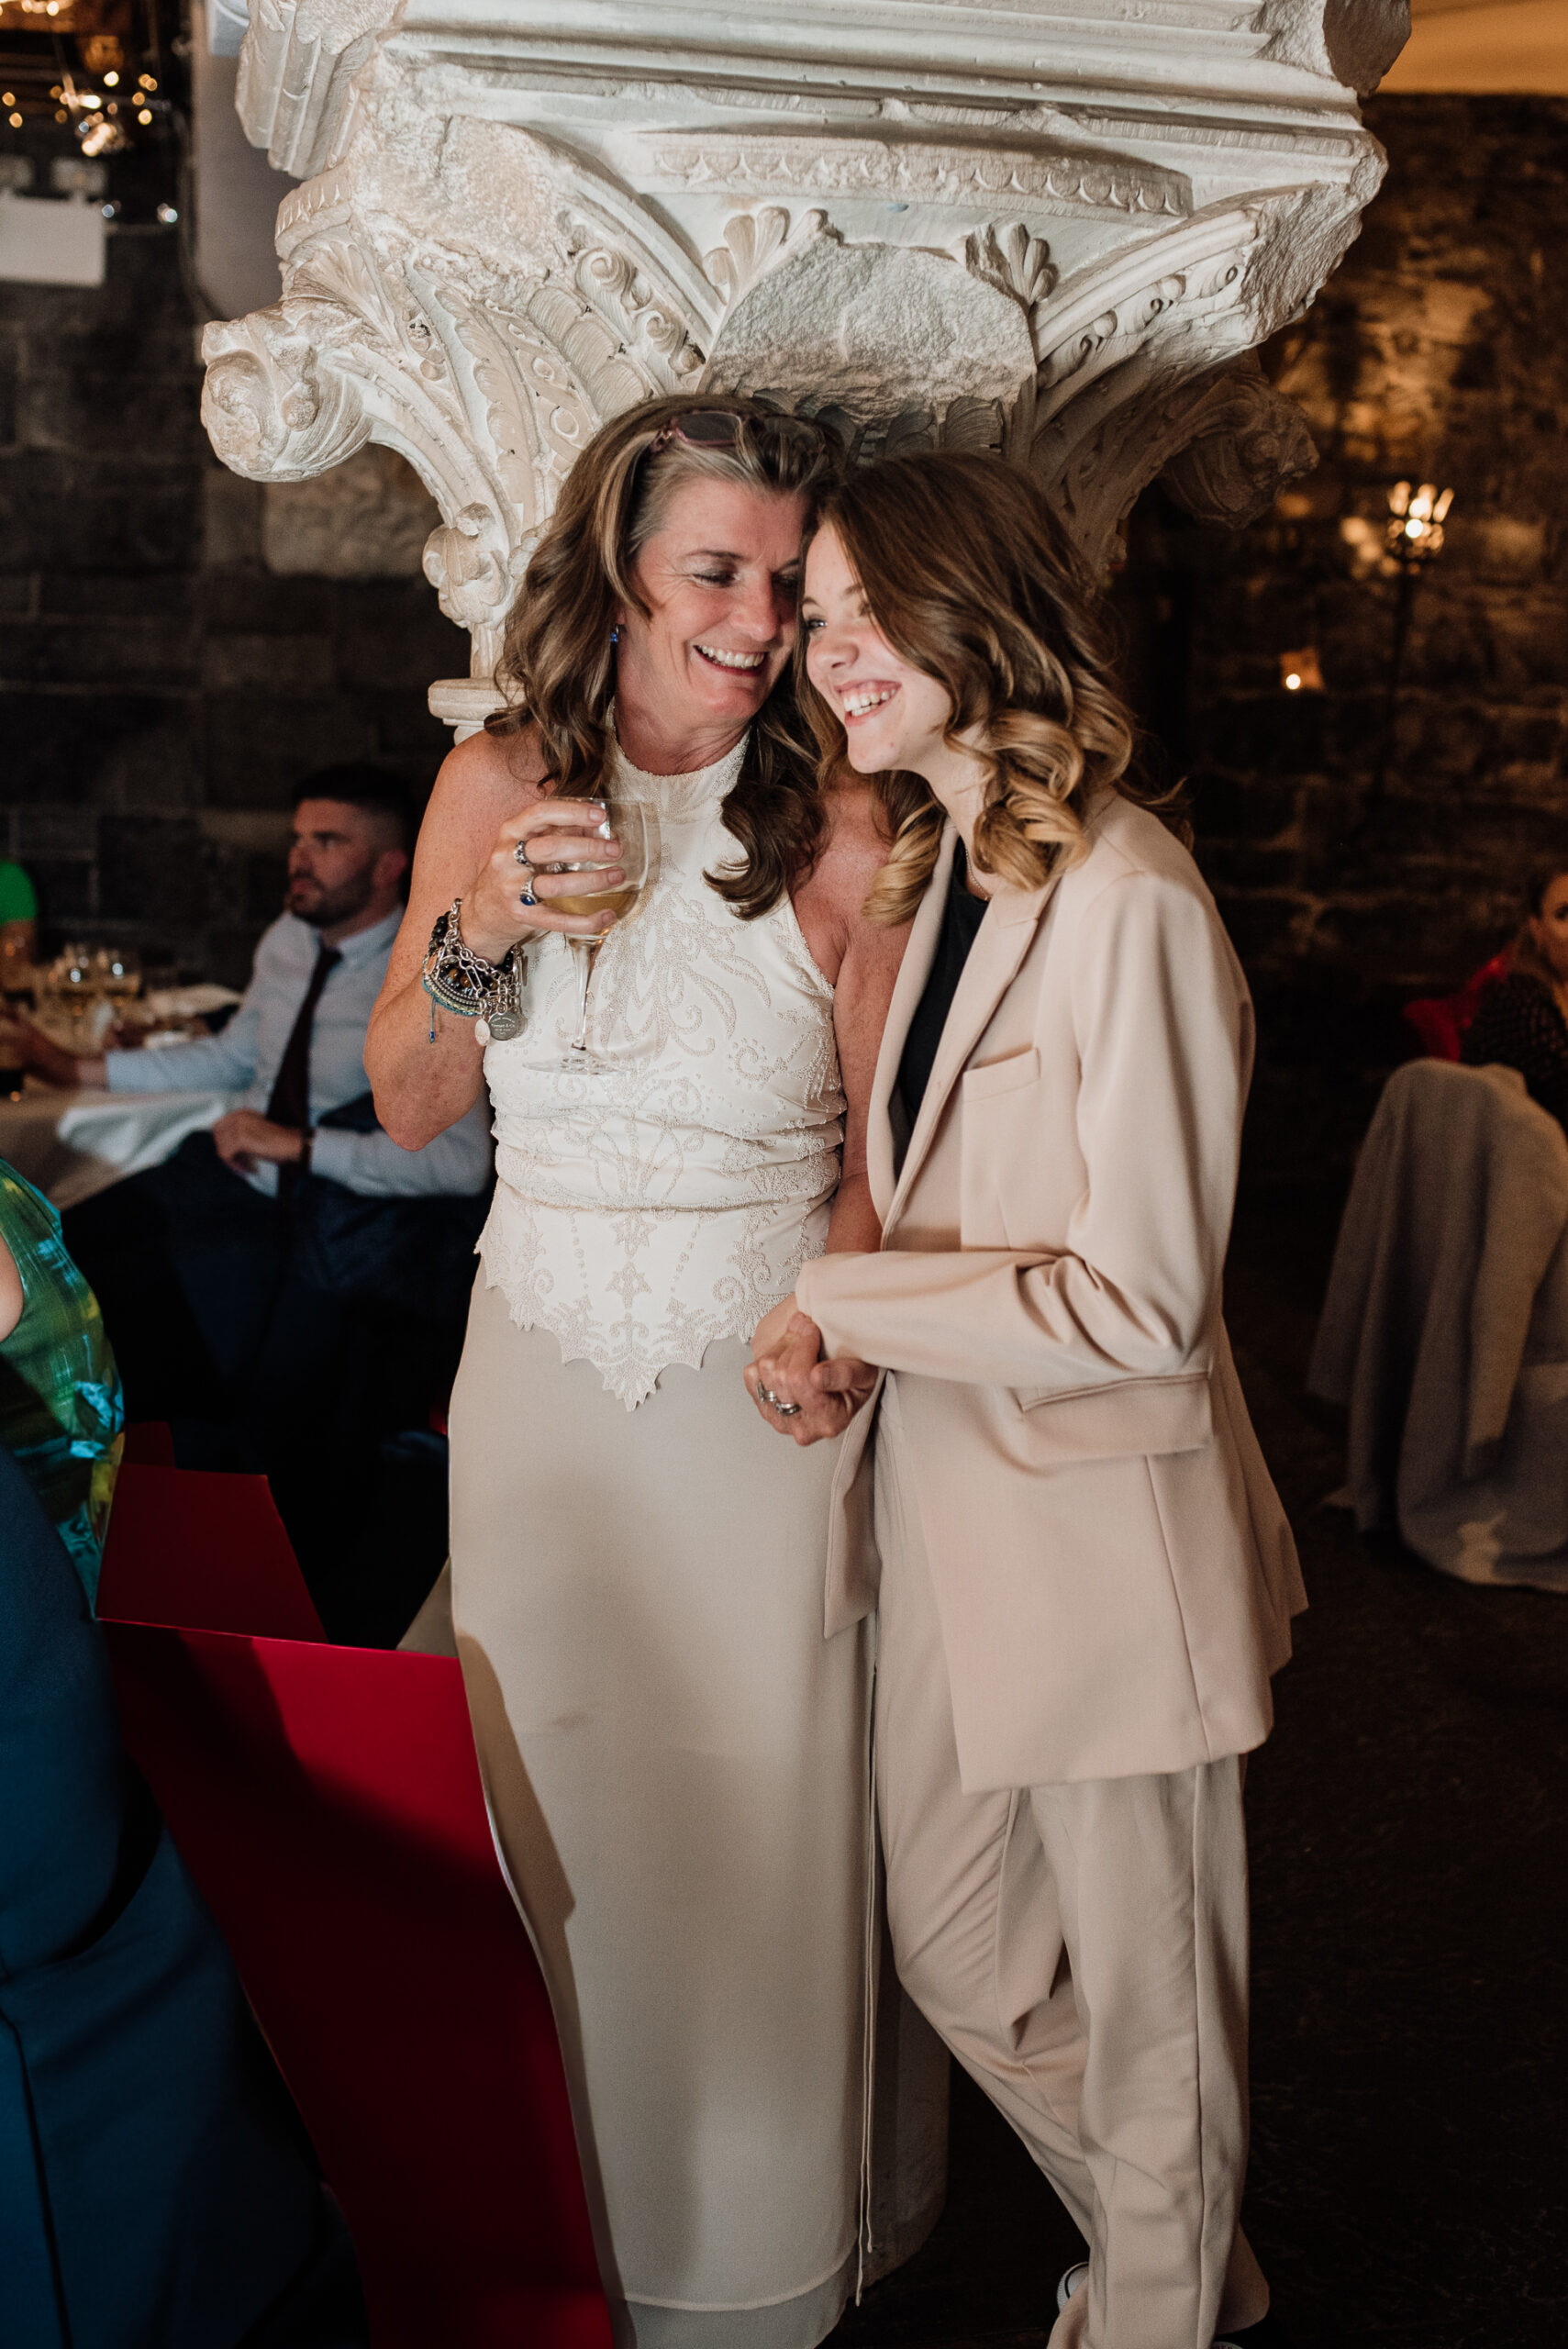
x=154 y=2190
x=62 y=1773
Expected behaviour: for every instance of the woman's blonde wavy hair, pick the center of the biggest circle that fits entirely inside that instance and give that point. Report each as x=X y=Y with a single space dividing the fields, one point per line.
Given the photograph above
x=969 y=577
x=557 y=667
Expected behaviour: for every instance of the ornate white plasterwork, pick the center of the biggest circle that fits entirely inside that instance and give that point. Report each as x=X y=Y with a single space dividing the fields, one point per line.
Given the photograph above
x=1055 y=232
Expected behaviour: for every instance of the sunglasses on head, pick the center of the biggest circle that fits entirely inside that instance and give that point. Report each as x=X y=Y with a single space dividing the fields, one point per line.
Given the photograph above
x=725 y=428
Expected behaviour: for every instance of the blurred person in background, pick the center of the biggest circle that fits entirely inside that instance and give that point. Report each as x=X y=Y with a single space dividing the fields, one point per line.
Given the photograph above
x=158 y=2183
x=289 y=1289
x=1521 y=1020
x=18 y=911
x=18 y=929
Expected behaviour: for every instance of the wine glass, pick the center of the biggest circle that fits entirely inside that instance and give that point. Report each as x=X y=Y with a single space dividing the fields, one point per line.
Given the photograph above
x=636 y=826
x=117 y=972
x=70 y=982
x=116 y=975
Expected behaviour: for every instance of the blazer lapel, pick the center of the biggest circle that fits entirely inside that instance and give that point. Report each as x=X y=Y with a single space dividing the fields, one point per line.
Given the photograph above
x=909 y=986
x=1011 y=920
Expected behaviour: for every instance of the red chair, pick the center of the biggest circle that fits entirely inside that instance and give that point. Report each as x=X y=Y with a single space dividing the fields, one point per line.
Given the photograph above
x=1441 y=1020
x=327 y=1802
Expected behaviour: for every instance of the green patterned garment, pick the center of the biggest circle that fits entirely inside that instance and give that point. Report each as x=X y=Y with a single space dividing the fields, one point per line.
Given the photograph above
x=61 y=1412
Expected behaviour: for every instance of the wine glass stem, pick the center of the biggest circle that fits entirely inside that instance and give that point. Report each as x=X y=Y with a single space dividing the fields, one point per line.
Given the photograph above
x=583 y=950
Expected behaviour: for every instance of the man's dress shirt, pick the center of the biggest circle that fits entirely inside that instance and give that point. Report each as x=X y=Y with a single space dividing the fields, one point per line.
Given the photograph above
x=245 y=1058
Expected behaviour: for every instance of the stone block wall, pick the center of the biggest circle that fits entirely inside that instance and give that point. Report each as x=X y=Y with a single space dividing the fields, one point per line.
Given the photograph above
x=171 y=655
x=1437 y=352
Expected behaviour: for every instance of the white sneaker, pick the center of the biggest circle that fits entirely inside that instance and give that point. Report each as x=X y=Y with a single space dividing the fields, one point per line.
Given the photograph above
x=1071 y=2278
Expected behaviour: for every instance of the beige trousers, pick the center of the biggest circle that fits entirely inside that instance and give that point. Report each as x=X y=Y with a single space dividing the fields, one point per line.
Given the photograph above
x=1083 y=1950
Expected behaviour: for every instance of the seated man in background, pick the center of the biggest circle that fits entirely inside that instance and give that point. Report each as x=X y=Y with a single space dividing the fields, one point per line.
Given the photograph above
x=289 y=1290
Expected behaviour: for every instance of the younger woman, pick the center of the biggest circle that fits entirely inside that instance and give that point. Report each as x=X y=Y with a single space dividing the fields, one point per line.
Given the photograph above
x=1085 y=1578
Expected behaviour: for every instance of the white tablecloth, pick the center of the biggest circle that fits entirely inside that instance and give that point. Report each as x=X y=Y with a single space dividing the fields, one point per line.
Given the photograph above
x=72 y=1144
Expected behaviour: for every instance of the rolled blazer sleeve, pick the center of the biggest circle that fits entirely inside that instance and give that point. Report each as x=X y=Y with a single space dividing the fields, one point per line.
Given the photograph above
x=1164 y=1031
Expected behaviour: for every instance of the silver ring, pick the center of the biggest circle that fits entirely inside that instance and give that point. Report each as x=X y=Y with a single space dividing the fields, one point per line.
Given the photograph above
x=520 y=851
x=785 y=1411
x=528 y=897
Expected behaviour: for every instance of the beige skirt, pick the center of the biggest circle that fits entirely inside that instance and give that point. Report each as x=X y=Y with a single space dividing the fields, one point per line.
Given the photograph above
x=677 y=1762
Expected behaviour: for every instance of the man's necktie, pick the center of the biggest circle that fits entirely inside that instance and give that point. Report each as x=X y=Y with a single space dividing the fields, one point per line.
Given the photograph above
x=288 y=1103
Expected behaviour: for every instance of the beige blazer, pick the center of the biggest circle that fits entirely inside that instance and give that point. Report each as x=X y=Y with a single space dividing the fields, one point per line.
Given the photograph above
x=1114 y=1572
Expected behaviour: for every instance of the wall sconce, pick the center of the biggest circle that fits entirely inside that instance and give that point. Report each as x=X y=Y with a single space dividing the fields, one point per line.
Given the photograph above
x=1415 y=535
x=1301 y=673
x=1416 y=520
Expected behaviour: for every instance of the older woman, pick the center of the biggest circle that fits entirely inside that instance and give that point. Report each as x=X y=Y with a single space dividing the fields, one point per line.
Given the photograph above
x=675 y=1754
x=1085 y=1577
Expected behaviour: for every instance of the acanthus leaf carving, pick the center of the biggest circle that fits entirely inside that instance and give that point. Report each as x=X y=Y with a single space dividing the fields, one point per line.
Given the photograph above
x=750 y=241
x=1248 y=442
x=1016 y=262
x=474 y=570
x=755 y=242
x=272 y=409
x=610 y=280
x=1121 y=396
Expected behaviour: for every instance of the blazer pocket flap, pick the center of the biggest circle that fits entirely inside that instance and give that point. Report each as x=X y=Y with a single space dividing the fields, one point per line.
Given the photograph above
x=1133 y=1417
x=1001 y=1076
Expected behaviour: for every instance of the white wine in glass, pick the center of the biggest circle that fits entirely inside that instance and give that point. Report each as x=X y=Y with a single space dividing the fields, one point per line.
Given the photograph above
x=117 y=974
x=70 y=985
x=614 y=901
x=634 y=825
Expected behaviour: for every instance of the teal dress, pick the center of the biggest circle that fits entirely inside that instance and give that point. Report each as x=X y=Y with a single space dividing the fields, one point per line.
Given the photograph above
x=62 y=1415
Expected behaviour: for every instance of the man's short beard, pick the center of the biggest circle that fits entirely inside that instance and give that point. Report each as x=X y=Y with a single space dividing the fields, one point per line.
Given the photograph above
x=333 y=905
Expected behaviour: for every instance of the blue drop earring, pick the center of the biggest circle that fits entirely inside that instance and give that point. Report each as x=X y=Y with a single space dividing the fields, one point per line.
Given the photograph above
x=615 y=635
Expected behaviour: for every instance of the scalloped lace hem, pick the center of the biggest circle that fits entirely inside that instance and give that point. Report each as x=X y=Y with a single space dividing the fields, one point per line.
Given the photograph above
x=630 y=1374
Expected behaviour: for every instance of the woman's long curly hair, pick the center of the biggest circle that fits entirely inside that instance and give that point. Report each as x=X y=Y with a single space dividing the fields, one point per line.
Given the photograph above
x=557 y=667
x=968 y=575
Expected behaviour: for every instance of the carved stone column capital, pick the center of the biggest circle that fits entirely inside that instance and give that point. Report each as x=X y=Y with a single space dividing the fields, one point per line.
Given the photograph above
x=1058 y=234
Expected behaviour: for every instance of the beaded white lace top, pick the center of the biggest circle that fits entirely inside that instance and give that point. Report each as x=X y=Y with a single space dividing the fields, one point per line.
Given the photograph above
x=643 y=1211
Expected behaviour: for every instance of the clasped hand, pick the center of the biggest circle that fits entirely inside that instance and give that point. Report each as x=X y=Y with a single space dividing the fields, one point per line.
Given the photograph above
x=787 y=1362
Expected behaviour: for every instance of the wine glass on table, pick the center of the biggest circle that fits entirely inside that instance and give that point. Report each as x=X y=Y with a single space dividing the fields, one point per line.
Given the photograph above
x=117 y=974
x=71 y=985
x=636 y=826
